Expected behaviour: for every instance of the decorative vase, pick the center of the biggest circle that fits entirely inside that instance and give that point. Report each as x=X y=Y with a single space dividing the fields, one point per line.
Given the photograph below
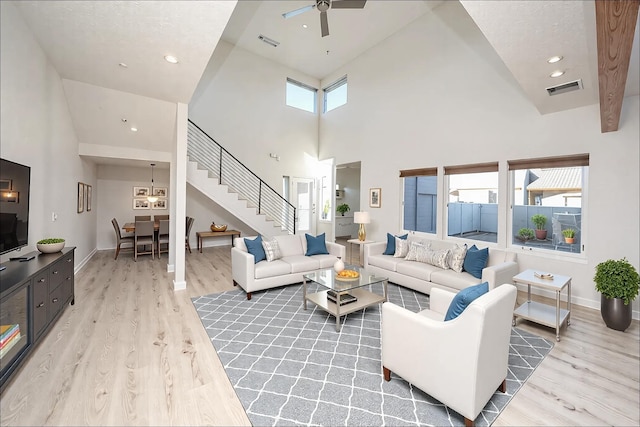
x=541 y=234
x=49 y=248
x=615 y=314
x=338 y=266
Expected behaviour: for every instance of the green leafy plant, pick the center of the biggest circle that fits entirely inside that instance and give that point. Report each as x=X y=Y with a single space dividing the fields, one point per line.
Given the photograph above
x=617 y=279
x=539 y=221
x=343 y=208
x=525 y=234
x=569 y=233
x=50 y=241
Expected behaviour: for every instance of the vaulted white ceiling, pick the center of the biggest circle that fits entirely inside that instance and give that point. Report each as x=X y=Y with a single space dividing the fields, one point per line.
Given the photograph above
x=86 y=41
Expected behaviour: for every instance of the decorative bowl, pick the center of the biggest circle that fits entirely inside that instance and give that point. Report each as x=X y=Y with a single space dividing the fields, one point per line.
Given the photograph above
x=215 y=227
x=49 y=248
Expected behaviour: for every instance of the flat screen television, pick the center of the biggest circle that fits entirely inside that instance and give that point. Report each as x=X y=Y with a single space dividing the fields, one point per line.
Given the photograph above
x=14 y=205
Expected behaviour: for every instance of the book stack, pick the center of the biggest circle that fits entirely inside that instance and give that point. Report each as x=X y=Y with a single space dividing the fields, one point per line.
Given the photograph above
x=9 y=336
x=547 y=276
x=345 y=298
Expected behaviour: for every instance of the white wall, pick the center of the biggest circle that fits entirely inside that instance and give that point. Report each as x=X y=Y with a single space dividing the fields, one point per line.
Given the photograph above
x=37 y=131
x=243 y=108
x=436 y=94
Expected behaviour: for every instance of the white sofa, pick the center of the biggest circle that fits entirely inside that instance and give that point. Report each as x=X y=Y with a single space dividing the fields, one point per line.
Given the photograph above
x=460 y=362
x=284 y=271
x=501 y=267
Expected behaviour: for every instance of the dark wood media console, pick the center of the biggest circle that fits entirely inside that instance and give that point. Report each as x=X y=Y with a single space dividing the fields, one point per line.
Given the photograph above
x=33 y=295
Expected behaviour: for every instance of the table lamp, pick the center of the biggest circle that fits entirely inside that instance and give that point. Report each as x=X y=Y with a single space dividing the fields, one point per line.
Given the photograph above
x=361 y=218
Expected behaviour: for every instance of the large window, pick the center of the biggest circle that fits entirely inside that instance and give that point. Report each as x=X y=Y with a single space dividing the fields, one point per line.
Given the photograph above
x=547 y=199
x=420 y=199
x=300 y=95
x=335 y=95
x=472 y=210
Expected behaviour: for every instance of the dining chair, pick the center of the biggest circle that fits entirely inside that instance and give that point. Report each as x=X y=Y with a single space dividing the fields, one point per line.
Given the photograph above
x=144 y=235
x=120 y=240
x=163 y=236
x=143 y=218
x=160 y=217
x=189 y=225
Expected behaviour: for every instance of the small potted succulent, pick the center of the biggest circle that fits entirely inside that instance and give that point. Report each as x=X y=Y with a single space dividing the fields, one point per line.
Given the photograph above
x=343 y=208
x=50 y=245
x=540 y=221
x=525 y=234
x=569 y=235
x=618 y=282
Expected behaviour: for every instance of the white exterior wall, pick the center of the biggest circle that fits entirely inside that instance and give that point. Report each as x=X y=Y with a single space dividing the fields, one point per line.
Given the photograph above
x=433 y=95
x=37 y=131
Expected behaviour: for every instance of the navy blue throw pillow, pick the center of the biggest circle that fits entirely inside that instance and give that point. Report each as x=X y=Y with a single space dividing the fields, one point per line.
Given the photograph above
x=254 y=247
x=475 y=261
x=464 y=298
x=391 y=243
x=316 y=245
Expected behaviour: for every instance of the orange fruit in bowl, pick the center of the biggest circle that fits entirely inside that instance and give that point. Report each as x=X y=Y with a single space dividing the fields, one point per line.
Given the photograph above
x=348 y=274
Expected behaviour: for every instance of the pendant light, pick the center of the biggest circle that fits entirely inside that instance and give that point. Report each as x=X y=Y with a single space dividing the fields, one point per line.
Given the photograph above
x=152 y=198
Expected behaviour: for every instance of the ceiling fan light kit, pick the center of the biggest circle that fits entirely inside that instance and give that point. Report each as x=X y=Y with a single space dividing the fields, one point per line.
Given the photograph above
x=323 y=6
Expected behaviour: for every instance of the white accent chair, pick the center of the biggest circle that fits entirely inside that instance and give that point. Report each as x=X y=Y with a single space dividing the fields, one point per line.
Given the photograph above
x=461 y=362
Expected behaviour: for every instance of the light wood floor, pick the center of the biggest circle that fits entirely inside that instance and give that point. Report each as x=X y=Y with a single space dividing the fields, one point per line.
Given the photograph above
x=131 y=351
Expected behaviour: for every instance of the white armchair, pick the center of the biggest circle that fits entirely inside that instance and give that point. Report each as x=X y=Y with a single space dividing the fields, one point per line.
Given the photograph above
x=461 y=362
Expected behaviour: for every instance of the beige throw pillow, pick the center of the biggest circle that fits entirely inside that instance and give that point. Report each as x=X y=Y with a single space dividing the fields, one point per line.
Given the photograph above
x=271 y=249
x=437 y=258
x=417 y=250
x=456 y=257
x=402 y=248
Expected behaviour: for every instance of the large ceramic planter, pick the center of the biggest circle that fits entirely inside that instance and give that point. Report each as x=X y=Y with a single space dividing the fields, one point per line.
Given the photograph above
x=615 y=314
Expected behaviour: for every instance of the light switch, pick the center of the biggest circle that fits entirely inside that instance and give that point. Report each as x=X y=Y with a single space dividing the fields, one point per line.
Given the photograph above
x=54 y=216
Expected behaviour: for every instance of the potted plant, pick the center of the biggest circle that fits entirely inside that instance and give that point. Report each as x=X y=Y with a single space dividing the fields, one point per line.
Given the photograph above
x=569 y=235
x=540 y=221
x=618 y=282
x=343 y=208
x=50 y=245
x=525 y=234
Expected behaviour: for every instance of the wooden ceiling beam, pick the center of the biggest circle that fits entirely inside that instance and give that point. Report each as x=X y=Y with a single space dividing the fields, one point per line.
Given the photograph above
x=615 y=27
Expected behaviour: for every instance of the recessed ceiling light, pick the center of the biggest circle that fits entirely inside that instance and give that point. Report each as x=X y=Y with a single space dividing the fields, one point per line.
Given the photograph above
x=171 y=59
x=556 y=73
x=554 y=59
x=305 y=26
x=123 y=65
x=134 y=129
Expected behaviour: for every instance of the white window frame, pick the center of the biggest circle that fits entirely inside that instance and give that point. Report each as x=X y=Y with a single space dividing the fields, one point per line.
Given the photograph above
x=311 y=89
x=333 y=86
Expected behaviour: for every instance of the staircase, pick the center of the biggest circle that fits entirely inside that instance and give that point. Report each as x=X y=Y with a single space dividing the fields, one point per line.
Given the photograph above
x=216 y=173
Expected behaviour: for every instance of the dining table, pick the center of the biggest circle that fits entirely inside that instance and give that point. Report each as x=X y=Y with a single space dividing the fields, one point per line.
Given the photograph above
x=130 y=227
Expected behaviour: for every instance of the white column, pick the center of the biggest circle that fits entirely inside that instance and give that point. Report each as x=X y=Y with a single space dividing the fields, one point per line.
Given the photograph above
x=179 y=191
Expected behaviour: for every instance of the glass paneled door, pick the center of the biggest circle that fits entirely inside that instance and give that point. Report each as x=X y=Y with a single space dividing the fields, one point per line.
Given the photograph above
x=302 y=197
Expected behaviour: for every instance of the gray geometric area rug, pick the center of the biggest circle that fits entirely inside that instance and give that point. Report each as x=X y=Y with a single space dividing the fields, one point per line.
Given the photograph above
x=289 y=366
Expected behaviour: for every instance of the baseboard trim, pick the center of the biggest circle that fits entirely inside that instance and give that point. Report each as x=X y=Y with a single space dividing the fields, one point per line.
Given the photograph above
x=179 y=285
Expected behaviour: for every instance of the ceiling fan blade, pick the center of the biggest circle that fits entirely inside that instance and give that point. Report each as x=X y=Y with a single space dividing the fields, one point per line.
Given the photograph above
x=324 y=24
x=348 y=4
x=297 y=12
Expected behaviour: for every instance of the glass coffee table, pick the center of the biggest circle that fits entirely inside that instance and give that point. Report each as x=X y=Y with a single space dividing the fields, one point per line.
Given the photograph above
x=351 y=291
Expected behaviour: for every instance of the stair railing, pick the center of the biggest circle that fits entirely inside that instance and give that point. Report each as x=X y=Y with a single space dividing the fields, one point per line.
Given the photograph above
x=230 y=171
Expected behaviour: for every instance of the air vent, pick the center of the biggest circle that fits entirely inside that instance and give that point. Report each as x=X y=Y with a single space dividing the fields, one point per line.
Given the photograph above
x=268 y=41
x=565 y=87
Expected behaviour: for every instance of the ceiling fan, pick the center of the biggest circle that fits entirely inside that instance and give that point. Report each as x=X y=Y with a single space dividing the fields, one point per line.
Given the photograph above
x=323 y=6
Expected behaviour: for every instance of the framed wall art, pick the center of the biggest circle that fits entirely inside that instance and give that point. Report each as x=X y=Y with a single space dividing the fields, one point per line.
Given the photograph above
x=160 y=191
x=375 y=197
x=5 y=184
x=80 y=197
x=89 y=197
x=140 y=191
x=160 y=204
x=141 y=204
